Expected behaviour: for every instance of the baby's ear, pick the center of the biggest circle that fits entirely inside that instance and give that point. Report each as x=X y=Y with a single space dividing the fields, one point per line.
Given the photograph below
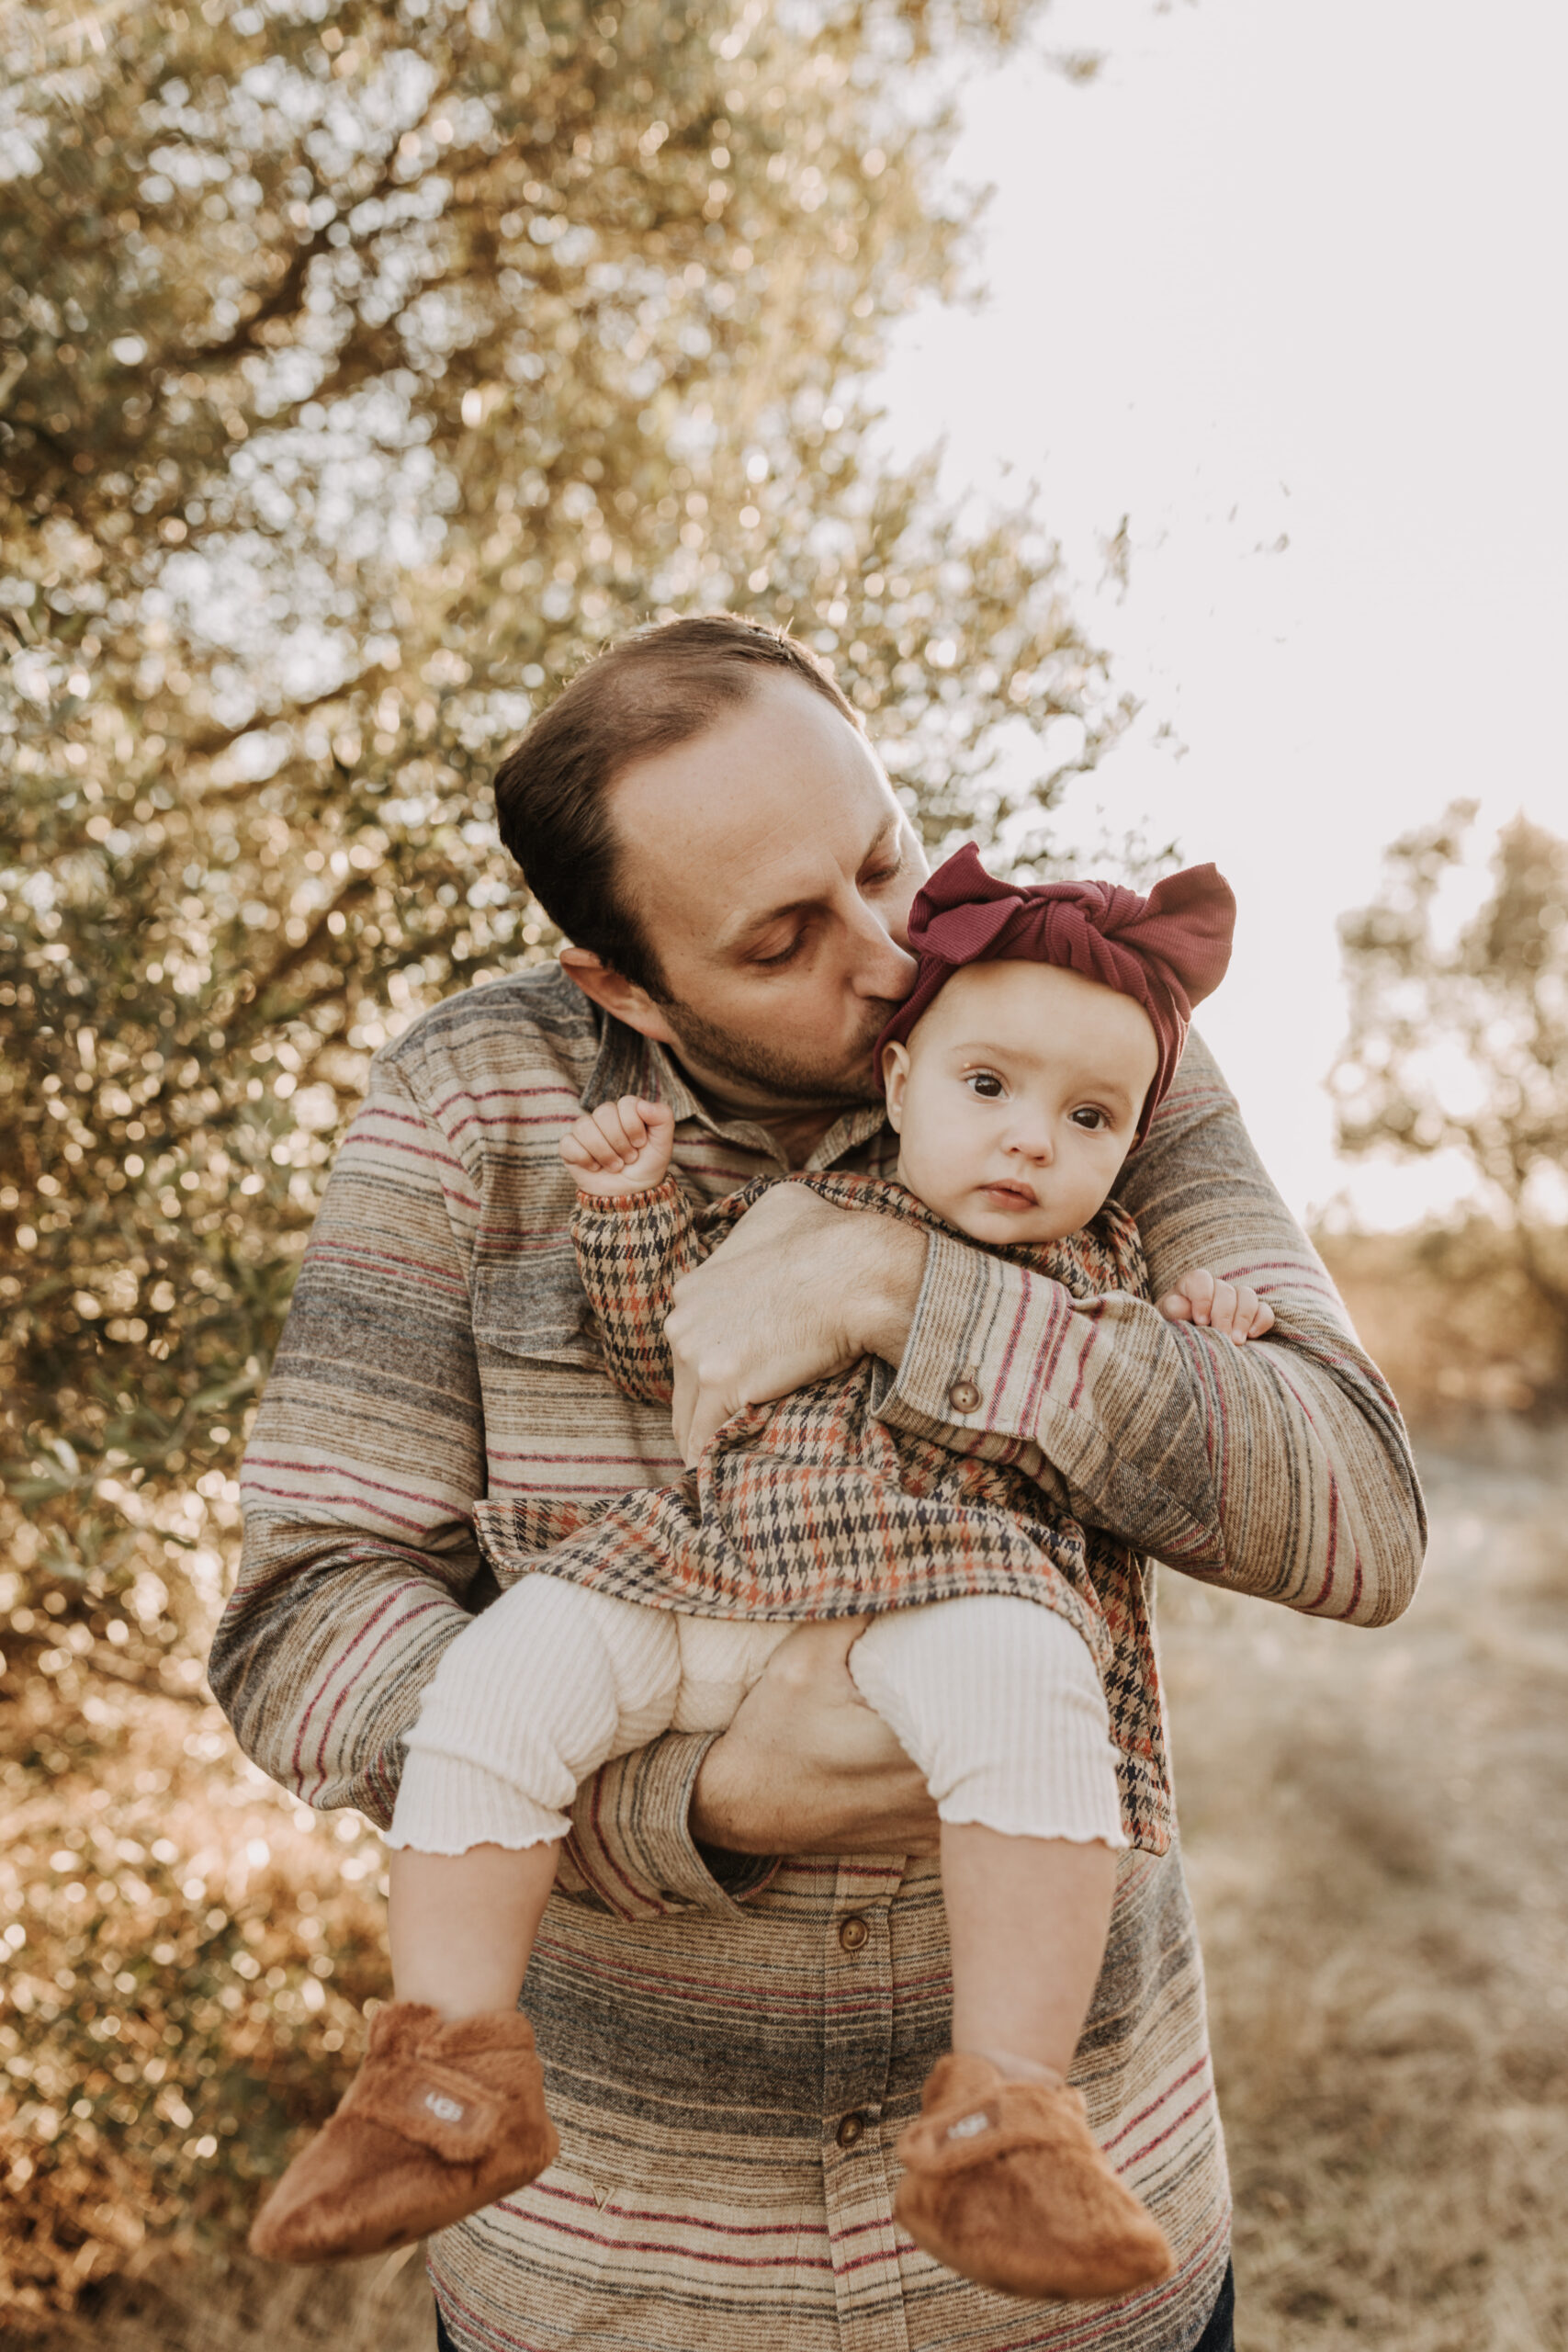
x=895 y=1076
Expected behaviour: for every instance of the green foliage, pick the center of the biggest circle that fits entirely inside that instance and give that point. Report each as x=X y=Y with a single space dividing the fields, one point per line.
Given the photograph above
x=1463 y=1044
x=361 y=370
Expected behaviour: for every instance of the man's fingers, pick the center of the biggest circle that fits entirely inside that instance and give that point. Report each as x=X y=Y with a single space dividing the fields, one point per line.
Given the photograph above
x=704 y=1427
x=816 y=1648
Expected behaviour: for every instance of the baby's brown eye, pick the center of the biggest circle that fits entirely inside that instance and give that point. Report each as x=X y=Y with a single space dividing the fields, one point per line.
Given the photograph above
x=1091 y=1120
x=987 y=1085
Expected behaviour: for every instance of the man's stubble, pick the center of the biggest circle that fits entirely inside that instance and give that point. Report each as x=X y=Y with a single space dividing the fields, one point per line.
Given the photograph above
x=723 y=1054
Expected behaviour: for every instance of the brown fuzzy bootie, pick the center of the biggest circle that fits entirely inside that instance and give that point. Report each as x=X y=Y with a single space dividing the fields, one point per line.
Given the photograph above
x=1004 y=2183
x=440 y=2120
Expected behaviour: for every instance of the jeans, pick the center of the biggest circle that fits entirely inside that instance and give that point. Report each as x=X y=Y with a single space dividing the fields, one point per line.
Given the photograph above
x=1220 y=2334
x=1218 y=2337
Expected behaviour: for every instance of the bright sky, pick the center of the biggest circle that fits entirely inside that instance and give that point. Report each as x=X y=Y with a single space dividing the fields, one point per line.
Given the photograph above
x=1286 y=272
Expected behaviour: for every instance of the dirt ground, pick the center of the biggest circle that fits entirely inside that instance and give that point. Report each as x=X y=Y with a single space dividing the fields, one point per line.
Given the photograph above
x=1375 y=1825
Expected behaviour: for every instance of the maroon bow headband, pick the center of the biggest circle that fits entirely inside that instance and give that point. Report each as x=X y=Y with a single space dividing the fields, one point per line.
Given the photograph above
x=1167 y=951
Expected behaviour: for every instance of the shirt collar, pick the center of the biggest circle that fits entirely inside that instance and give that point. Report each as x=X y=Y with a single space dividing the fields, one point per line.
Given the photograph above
x=629 y=1063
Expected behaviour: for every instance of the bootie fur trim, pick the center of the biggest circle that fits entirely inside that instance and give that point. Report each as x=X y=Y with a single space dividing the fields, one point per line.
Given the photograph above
x=1003 y=2183
x=440 y=2120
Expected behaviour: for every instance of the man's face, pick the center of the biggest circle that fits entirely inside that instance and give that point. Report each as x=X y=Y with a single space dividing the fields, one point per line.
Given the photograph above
x=772 y=870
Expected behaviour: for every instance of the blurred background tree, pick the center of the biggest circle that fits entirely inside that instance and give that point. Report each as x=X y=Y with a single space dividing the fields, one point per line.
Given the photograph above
x=1458 y=1041
x=362 y=369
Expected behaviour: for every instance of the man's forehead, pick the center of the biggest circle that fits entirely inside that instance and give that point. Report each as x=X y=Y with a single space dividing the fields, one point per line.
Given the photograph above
x=763 y=809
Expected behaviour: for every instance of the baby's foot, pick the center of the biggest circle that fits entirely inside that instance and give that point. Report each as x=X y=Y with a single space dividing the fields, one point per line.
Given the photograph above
x=441 y=2120
x=1004 y=2183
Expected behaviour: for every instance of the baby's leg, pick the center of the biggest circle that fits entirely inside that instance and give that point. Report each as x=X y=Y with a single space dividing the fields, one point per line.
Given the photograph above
x=447 y=2113
x=999 y=1703
x=549 y=1684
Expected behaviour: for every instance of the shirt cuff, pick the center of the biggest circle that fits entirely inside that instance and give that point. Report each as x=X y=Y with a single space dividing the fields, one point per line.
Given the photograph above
x=631 y=1842
x=1003 y=1364
x=627 y=1204
x=939 y=1389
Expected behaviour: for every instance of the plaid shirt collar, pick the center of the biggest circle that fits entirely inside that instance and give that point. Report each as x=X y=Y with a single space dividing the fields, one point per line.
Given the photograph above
x=629 y=1063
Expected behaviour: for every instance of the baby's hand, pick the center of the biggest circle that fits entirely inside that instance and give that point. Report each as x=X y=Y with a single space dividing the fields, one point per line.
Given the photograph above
x=623 y=1147
x=1230 y=1309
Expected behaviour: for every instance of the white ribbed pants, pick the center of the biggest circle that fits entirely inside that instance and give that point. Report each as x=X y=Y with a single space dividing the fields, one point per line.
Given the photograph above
x=995 y=1700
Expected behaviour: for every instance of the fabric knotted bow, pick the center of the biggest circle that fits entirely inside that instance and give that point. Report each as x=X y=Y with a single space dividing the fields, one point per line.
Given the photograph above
x=1169 y=950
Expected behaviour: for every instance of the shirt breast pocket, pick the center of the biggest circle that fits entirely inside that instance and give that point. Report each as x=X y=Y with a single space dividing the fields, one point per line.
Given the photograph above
x=531 y=1305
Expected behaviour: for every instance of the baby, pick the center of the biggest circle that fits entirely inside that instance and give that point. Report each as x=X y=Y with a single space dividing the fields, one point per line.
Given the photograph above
x=1044 y=1027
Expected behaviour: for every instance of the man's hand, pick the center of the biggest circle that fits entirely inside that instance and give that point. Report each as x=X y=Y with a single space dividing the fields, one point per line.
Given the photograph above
x=1231 y=1310
x=799 y=1290
x=806 y=1766
x=622 y=1147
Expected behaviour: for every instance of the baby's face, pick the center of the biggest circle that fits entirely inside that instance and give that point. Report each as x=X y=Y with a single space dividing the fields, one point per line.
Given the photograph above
x=1016 y=1099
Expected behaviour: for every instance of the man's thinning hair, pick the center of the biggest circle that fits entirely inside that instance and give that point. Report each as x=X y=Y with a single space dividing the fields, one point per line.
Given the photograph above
x=641 y=696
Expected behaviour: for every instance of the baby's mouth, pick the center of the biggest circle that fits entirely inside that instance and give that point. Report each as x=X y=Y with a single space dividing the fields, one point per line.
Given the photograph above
x=1010 y=1196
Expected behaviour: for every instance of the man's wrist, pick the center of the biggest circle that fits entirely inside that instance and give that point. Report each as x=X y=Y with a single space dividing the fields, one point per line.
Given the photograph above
x=892 y=1292
x=713 y=1819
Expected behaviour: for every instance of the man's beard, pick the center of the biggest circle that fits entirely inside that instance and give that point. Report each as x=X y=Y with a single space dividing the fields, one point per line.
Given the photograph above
x=726 y=1056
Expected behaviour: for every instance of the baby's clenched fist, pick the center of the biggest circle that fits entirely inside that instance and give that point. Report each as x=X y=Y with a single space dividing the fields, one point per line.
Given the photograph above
x=1231 y=1310
x=623 y=1147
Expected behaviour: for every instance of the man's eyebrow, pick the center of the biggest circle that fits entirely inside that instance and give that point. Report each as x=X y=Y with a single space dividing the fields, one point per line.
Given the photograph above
x=743 y=926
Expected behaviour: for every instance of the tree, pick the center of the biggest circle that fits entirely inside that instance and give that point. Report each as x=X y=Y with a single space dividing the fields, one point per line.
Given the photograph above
x=361 y=369
x=1461 y=1044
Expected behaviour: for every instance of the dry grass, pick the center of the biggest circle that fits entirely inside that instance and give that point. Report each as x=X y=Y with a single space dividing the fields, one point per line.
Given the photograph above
x=1377 y=1831
x=1449 y=1314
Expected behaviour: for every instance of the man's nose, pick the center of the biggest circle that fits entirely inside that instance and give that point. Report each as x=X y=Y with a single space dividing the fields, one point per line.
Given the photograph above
x=883 y=969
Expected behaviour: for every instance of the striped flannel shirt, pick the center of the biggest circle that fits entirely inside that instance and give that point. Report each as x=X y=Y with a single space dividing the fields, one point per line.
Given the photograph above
x=732 y=2046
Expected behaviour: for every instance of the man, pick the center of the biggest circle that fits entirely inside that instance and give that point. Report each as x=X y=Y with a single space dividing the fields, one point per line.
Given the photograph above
x=741 y=1981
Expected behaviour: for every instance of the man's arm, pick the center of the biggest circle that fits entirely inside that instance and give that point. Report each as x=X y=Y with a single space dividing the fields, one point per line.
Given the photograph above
x=360 y=1563
x=359 y=1557
x=361 y=1472
x=1280 y=1469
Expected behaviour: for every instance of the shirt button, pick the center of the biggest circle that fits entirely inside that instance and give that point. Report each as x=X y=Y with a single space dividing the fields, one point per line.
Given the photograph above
x=963 y=1396
x=853 y=1934
x=852 y=2130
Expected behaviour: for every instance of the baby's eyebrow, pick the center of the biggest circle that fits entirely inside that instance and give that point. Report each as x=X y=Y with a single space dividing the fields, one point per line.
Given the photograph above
x=980 y=1049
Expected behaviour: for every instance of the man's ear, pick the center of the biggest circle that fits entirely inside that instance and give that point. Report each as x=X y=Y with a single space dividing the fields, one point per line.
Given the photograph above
x=894 y=1078
x=613 y=994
